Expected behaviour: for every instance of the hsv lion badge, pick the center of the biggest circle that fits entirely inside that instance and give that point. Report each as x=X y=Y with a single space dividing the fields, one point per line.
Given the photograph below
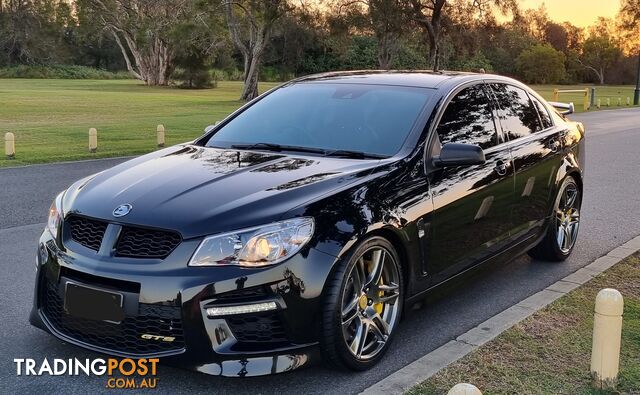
x=122 y=210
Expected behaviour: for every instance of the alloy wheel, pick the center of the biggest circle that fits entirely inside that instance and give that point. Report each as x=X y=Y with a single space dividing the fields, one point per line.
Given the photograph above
x=370 y=303
x=568 y=217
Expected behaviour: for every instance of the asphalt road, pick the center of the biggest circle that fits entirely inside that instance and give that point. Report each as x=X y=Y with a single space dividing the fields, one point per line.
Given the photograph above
x=609 y=218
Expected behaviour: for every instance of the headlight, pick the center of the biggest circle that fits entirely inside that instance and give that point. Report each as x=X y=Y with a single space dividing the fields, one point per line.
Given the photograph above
x=255 y=247
x=55 y=216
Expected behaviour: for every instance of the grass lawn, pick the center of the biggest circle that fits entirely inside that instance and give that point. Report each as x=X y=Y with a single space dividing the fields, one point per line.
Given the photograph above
x=550 y=352
x=51 y=118
x=613 y=92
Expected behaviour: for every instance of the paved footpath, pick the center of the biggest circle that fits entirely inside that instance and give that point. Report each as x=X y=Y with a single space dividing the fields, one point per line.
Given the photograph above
x=609 y=219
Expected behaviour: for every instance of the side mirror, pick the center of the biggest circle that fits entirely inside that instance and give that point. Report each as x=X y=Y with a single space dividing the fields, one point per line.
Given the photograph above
x=563 y=108
x=210 y=127
x=455 y=154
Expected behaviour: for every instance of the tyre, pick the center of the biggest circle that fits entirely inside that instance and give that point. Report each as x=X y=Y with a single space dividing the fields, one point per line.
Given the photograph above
x=562 y=231
x=363 y=305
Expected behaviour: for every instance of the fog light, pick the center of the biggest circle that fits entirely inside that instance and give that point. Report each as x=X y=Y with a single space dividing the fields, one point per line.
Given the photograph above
x=243 y=309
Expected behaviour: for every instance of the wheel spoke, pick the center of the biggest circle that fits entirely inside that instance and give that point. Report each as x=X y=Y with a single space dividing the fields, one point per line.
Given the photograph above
x=567 y=238
x=380 y=327
x=360 y=338
x=378 y=265
x=561 y=236
x=350 y=312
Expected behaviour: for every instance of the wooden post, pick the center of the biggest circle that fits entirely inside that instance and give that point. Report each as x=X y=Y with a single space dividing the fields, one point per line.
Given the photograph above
x=607 y=332
x=556 y=94
x=93 y=140
x=585 y=103
x=464 y=389
x=160 y=132
x=10 y=145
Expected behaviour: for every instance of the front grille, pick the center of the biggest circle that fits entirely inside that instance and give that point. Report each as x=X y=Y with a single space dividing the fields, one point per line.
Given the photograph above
x=264 y=328
x=146 y=243
x=123 y=337
x=88 y=232
x=134 y=242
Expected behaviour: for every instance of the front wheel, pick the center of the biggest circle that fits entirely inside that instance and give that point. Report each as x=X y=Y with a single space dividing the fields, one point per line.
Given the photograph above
x=363 y=305
x=562 y=230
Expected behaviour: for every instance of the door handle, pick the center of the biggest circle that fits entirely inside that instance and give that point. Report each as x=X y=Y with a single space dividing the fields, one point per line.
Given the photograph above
x=501 y=168
x=554 y=145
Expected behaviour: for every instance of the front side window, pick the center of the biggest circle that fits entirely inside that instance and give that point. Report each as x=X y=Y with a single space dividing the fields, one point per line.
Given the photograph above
x=374 y=119
x=468 y=119
x=518 y=116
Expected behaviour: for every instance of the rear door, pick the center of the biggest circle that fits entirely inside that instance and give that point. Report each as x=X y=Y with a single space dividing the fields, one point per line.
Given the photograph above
x=535 y=148
x=471 y=220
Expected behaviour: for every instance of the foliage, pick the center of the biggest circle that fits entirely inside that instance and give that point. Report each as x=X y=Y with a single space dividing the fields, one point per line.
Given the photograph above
x=541 y=64
x=62 y=72
x=192 y=43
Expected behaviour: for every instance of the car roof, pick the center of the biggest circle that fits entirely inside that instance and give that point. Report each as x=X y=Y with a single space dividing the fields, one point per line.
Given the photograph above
x=415 y=78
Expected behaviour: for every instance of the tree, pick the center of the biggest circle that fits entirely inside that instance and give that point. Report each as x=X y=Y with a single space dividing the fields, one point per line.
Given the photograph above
x=598 y=54
x=541 y=64
x=141 y=28
x=34 y=32
x=250 y=23
x=428 y=15
x=386 y=19
x=629 y=25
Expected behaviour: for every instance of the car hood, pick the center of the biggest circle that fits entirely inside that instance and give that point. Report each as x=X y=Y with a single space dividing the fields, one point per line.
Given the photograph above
x=198 y=190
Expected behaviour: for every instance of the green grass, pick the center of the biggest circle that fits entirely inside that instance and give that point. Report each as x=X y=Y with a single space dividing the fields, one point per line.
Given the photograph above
x=51 y=117
x=613 y=92
x=550 y=352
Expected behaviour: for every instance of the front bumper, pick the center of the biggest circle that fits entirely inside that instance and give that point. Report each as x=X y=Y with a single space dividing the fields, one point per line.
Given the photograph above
x=168 y=300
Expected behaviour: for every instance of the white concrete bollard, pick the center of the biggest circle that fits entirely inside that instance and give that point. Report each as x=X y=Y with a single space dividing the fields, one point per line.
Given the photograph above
x=93 y=140
x=607 y=332
x=160 y=132
x=619 y=101
x=464 y=389
x=608 y=102
x=10 y=145
x=628 y=100
x=598 y=103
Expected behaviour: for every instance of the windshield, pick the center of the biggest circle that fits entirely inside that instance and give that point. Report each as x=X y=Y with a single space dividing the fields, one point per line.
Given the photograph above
x=372 y=119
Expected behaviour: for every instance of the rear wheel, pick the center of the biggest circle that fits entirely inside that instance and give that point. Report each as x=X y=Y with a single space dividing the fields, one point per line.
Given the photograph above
x=363 y=306
x=562 y=231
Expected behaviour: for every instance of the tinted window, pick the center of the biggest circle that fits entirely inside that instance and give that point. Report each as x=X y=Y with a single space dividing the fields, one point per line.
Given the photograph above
x=542 y=111
x=468 y=119
x=517 y=115
x=374 y=119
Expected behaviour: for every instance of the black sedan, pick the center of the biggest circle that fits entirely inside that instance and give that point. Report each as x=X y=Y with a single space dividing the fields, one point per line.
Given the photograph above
x=304 y=223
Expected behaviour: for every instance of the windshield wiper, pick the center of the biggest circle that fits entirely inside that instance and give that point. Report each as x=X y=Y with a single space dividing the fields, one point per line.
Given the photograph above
x=341 y=153
x=278 y=148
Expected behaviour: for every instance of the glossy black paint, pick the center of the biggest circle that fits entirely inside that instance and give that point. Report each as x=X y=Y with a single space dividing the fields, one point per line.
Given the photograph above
x=442 y=220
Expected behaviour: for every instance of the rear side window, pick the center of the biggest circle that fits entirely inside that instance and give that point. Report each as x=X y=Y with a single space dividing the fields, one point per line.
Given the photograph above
x=545 y=118
x=518 y=116
x=468 y=119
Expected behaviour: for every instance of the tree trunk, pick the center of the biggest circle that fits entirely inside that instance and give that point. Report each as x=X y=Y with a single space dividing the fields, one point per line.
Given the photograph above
x=250 y=88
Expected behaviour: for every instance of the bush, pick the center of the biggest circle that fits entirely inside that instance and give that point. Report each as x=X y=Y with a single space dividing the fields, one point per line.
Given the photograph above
x=541 y=64
x=62 y=72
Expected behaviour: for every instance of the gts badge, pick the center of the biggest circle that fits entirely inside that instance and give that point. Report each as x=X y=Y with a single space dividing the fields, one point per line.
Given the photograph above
x=147 y=336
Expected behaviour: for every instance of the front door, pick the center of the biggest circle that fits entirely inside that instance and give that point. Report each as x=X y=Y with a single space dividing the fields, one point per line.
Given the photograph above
x=471 y=219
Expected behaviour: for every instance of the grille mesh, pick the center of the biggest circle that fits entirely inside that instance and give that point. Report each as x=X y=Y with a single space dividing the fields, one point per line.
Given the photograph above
x=265 y=328
x=146 y=243
x=123 y=337
x=134 y=242
x=87 y=232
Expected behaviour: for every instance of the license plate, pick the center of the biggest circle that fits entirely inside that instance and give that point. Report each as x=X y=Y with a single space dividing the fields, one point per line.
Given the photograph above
x=93 y=304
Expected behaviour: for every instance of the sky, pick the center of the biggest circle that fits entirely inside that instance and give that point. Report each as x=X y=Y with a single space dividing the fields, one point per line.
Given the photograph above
x=579 y=12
